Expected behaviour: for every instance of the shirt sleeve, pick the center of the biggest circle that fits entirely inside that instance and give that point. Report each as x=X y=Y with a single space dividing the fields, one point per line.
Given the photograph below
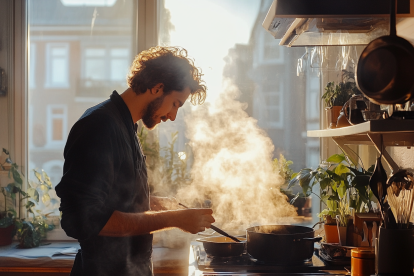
x=88 y=177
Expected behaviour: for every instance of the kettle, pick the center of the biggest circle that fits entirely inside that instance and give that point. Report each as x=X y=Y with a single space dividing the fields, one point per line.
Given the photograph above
x=355 y=105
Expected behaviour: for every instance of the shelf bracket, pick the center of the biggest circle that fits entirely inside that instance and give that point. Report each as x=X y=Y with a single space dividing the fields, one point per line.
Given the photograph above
x=341 y=143
x=376 y=140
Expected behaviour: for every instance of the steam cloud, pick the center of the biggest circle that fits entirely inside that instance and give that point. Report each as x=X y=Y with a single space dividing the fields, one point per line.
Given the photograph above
x=233 y=166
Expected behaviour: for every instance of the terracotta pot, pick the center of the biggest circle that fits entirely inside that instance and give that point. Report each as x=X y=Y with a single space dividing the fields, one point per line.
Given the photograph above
x=332 y=114
x=6 y=235
x=331 y=233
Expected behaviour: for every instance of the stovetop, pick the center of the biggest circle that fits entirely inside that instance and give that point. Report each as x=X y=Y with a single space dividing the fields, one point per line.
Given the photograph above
x=201 y=264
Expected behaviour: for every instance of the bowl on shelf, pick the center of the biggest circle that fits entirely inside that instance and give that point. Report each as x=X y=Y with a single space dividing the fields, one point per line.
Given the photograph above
x=369 y=115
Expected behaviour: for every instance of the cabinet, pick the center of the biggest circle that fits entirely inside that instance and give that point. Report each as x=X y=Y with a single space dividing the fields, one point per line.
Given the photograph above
x=389 y=133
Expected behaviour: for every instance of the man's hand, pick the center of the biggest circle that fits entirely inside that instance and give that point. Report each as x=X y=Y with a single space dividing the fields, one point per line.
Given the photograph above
x=194 y=220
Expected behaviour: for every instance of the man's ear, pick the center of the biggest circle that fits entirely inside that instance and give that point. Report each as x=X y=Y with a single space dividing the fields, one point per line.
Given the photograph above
x=158 y=88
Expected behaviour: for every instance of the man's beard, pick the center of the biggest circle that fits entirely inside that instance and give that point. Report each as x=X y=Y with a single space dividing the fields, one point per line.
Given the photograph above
x=148 y=118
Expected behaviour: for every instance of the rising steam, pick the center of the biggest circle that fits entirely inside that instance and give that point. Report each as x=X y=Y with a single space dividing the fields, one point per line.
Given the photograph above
x=233 y=166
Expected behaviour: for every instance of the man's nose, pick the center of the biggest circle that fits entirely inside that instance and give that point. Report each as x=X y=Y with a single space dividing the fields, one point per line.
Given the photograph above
x=172 y=115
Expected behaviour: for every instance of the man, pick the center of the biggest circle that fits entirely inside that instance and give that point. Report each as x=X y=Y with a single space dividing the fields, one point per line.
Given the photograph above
x=105 y=201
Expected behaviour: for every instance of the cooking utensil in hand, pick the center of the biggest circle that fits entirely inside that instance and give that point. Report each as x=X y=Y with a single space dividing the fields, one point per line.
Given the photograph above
x=218 y=230
x=365 y=241
x=384 y=70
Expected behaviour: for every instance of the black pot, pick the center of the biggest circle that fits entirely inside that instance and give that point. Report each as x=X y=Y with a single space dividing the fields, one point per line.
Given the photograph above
x=385 y=68
x=281 y=244
x=223 y=247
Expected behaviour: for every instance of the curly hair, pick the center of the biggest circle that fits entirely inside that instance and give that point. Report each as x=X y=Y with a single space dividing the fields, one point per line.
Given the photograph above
x=170 y=66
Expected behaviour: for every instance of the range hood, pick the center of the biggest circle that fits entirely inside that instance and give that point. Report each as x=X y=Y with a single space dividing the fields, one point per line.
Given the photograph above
x=336 y=22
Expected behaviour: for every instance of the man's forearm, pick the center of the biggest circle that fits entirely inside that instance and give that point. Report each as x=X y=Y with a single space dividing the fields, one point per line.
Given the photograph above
x=130 y=224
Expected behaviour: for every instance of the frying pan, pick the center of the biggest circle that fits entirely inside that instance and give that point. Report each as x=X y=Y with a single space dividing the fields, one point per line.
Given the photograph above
x=385 y=68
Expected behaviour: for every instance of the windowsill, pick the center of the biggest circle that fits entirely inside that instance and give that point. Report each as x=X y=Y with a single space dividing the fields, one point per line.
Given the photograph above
x=47 y=258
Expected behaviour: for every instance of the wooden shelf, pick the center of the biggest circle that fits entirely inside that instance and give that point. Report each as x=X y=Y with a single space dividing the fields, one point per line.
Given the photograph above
x=380 y=133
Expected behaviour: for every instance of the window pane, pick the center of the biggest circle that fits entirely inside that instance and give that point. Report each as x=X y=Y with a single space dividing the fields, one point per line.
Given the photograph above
x=57 y=129
x=95 y=69
x=71 y=68
x=95 y=52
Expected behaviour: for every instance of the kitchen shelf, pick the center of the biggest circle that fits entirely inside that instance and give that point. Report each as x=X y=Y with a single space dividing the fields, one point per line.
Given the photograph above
x=390 y=133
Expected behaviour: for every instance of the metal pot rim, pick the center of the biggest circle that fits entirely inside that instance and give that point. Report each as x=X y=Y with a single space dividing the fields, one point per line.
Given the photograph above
x=250 y=230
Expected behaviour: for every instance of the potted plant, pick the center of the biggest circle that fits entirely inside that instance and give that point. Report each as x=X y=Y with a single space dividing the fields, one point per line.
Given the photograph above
x=342 y=186
x=8 y=216
x=336 y=95
x=282 y=168
x=29 y=231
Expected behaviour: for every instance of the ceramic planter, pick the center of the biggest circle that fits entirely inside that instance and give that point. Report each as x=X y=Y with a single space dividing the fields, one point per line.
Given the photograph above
x=332 y=114
x=6 y=235
x=331 y=233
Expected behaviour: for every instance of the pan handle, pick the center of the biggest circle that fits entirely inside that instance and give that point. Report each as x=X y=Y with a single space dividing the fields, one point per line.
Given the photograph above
x=316 y=239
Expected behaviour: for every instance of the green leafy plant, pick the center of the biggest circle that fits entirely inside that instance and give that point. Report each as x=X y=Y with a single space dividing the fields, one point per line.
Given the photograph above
x=165 y=164
x=339 y=94
x=9 y=215
x=282 y=167
x=342 y=185
x=31 y=230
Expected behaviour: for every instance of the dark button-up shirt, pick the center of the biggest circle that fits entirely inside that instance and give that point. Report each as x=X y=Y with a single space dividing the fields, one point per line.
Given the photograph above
x=104 y=171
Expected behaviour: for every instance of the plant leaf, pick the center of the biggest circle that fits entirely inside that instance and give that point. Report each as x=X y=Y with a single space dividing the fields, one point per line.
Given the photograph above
x=294 y=199
x=38 y=176
x=46 y=179
x=17 y=178
x=324 y=183
x=34 y=194
x=341 y=169
x=6 y=151
x=336 y=158
x=46 y=199
x=341 y=189
x=44 y=188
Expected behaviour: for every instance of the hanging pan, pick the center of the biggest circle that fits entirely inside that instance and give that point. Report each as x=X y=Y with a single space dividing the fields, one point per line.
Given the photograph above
x=385 y=68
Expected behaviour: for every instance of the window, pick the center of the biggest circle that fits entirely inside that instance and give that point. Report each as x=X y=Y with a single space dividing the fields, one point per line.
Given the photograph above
x=57 y=70
x=83 y=56
x=268 y=105
x=106 y=63
x=56 y=124
x=95 y=64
